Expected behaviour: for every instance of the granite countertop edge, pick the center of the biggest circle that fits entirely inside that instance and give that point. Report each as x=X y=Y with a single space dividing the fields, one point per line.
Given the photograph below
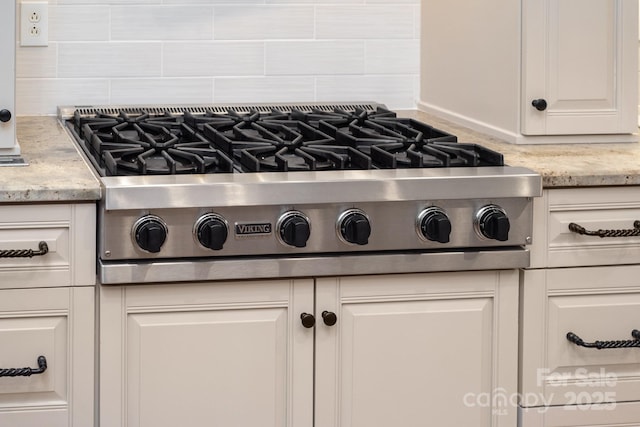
x=56 y=172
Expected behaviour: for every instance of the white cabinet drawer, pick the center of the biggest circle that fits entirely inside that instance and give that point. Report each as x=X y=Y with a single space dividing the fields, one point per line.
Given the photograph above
x=67 y=230
x=614 y=208
x=594 y=303
x=56 y=323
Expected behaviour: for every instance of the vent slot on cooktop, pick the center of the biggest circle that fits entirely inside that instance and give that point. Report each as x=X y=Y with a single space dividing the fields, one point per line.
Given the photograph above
x=68 y=111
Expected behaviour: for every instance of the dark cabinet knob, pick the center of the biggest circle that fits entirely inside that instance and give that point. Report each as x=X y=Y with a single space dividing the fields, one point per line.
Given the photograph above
x=212 y=232
x=493 y=223
x=295 y=230
x=435 y=225
x=329 y=318
x=5 y=115
x=539 y=104
x=150 y=233
x=355 y=228
x=308 y=320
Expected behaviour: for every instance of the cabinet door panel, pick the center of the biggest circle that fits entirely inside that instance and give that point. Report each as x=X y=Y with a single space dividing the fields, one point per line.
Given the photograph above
x=580 y=57
x=56 y=323
x=417 y=350
x=210 y=365
x=411 y=360
x=228 y=354
x=595 y=303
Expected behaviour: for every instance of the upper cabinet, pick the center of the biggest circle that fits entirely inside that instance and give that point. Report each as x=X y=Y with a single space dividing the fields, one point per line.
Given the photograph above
x=537 y=71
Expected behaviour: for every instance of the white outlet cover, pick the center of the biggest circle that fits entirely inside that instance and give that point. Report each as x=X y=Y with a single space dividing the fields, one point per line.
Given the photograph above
x=34 y=33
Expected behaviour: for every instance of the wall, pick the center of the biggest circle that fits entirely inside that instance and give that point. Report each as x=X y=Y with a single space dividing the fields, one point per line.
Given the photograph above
x=222 y=51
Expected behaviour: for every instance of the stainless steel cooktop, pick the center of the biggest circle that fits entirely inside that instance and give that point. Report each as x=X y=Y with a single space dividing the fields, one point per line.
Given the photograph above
x=213 y=188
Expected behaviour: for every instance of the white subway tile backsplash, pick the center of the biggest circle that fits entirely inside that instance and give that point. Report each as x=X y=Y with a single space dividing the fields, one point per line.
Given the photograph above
x=42 y=96
x=364 y=22
x=264 y=89
x=162 y=22
x=213 y=59
x=162 y=91
x=392 y=57
x=109 y=59
x=90 y=23
x=394 y=91
x=315 y=57
x=40 y=62
x=263 y=22
x=203 y=51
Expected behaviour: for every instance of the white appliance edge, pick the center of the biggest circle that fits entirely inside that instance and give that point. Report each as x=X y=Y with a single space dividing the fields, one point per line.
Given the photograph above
x=8 y=141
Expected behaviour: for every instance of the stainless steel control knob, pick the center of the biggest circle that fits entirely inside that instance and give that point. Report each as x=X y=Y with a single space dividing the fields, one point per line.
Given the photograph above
x=150 y=233
x=211 y=231
x=434 y=224
x=492 y=222
x=294 y=229
x=354 y=227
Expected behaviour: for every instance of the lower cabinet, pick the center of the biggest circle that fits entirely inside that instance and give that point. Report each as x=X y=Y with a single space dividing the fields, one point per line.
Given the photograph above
x=409 y=350
x=46 y=340
x=573 y=382
x=579 y=308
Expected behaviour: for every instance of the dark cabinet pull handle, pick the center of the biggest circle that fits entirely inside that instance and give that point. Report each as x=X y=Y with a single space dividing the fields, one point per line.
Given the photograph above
x=308 y=320
x=329 y=318
x=606 y=344
x=635 y=231
x=5 y=115
x=25 y=372
x=25 y=253
x=539 y=104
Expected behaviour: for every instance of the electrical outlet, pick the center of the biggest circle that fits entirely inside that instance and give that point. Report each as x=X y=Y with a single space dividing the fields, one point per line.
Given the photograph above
x=34 y=23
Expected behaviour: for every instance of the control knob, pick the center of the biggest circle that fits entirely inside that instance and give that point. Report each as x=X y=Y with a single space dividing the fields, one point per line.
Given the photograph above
x=150 y=233
x=354 y=227
x=211 y=231
x=492 y=222
x=294 y=229
x=434 y=224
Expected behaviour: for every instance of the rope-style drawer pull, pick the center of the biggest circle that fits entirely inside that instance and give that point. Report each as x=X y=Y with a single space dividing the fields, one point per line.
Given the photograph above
x=635 y=231
x=25 y=372
x=25 y=253
x=606 y=344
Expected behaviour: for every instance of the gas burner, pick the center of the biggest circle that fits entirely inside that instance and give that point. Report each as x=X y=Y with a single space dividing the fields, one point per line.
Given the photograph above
x=159 y=141
x=226 y=121
x=139 y=144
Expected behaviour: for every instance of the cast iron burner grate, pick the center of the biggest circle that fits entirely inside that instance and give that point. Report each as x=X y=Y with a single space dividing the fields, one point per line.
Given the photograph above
x=142 y=142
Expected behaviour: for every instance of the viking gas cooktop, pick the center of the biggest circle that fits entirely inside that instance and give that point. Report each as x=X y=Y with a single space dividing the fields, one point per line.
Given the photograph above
x=246 y=191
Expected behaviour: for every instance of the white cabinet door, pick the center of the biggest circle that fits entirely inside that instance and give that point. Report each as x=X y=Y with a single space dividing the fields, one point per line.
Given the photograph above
x=58 y=324
x=417 y=350
x=580 y=56
x=226 y=354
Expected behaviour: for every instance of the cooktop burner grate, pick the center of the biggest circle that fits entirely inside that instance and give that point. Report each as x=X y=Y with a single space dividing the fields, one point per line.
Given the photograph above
x=219 y=139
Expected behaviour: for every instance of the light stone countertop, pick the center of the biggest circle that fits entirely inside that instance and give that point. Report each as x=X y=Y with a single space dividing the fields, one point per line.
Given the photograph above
x=561 y=165
x=56 y=171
